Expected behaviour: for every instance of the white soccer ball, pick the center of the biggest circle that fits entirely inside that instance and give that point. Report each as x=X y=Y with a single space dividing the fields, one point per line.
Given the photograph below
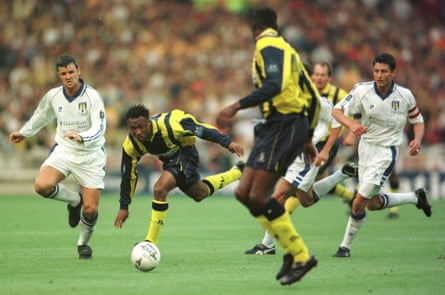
x=145 y=256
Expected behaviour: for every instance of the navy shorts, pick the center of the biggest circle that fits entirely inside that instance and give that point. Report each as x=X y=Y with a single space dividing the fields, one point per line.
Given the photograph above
x=184 y=165
x=278 y=143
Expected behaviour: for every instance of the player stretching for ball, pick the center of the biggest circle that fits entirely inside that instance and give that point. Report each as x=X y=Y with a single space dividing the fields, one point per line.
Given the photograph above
x=79 y=149
x=171 y=137
x=384 y=108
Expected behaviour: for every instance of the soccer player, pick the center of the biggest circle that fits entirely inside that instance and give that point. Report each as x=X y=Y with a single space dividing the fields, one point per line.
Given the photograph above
x=384 y=107
x=350 y=140
x=289 y=119
x=170 y=136
x=322 y=78
x=295 y=186
x=79 y=149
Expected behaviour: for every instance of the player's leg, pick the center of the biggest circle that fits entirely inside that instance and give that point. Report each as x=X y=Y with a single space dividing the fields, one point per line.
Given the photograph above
x=394 y=186
x=355 y=222
x=218 y=181
x=267 y=245
x=188 y=178
x=270 y=213
x=159 y=206
x=89 y=172
x=369 y=187
x=325 y=185
x=47 y=183
x=88 y=220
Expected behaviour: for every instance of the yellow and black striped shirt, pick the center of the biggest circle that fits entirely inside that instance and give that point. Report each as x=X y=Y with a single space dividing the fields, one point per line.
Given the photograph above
x=279 y=76
x=171 y=132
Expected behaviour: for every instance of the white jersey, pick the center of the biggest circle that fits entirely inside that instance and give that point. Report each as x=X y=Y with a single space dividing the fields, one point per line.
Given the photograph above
x=324 y=119
x=298 y=169
x=385 y=117
x=83 y=114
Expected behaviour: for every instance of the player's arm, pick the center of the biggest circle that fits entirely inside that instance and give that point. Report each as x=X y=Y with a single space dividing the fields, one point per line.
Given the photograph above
x=210 y=133
x=312 y=96
x=354 y=126
x=323 y=155
x=41 y=117
x=129 y=179
x=414 y=145
x=271 y=84
x=416 y=119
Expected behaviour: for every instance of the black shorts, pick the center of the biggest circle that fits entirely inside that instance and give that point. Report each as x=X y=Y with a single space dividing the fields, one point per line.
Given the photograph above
x=278 y=143
x=184 y=165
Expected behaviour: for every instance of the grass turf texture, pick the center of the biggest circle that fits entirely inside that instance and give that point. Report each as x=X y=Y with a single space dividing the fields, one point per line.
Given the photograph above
x=202 y=247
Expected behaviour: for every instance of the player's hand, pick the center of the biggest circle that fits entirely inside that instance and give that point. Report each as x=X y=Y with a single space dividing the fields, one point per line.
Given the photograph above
x=227 y=113
x=236 y=148
x=322 y=158
x=309 y=152
x=121 y=216
x=15 y=137
x=414 y=148
x=73 y=136
x=357 y=129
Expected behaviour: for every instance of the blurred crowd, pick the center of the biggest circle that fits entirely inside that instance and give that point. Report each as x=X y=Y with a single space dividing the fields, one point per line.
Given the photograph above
x=168 y=54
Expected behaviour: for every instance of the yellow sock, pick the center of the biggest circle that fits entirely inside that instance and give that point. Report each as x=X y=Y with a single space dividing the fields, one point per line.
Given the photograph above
x=291 y=204
x=394 y=210
x=282 y=229
x=220 y=180
x=344 y=193
x=158 y=214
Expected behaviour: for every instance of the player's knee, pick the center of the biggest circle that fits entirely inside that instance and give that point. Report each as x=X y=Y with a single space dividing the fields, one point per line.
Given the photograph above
x=43 y=189
x=90 y=211
x=241 y=197
x=198 y=198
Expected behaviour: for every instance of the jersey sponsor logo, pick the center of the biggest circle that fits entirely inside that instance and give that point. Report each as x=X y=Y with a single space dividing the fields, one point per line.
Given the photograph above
x=395 y=105
x=82 y=107
x=272 y=69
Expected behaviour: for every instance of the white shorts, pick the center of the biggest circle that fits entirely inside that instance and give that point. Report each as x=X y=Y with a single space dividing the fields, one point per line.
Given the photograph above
x=296 y=171
x=375 y=166
x=87 y=167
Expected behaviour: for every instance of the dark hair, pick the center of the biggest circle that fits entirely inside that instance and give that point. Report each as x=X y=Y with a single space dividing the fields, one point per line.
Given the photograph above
x=325 y=64
x=385 y=58
x=64 y=60
x=137 y=111
x=263 y=18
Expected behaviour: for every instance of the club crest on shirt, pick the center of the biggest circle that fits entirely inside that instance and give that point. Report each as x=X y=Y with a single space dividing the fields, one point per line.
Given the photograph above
x=82 y=107
x=395 y=105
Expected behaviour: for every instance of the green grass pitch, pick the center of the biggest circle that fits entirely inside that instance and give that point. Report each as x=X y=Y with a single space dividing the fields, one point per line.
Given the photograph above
x=202 y=247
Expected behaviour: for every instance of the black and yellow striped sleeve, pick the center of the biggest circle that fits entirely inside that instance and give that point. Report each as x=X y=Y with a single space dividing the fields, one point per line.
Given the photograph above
x=129 y=175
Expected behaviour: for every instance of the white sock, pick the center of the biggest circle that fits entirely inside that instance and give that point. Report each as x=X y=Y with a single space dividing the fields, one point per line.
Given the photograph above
x=325 y=185
x=268 y=240
x=87 y=227
x=309 y=178
x=62 y=193
x=352 y=229
x=395 y=199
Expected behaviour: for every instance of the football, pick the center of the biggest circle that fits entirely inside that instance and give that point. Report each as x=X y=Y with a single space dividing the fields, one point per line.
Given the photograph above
x=145 y=256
